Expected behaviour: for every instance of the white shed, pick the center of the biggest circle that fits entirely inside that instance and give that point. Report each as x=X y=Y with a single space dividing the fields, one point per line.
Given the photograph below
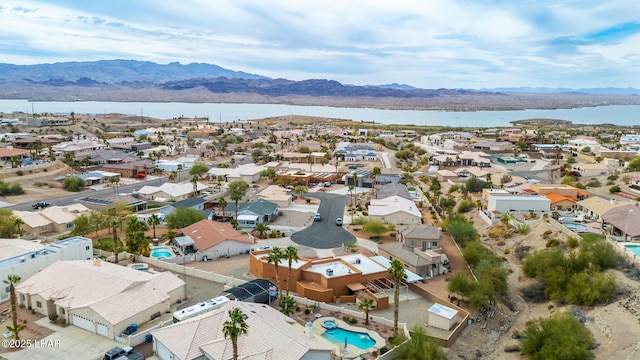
x=442 y=317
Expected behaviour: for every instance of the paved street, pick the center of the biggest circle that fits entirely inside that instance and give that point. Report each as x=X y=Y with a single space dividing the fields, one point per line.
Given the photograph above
x=325 y=234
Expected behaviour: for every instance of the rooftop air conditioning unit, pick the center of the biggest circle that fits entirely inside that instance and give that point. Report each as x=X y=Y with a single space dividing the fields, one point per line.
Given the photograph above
x=329 y=272
x=23 y=259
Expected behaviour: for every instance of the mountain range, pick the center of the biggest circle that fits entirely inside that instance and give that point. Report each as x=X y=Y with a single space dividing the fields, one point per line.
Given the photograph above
x=131 y=80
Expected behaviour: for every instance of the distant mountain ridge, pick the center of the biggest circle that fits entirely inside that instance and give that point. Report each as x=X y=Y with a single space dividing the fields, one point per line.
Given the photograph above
x=547 y=90
x=116 y=71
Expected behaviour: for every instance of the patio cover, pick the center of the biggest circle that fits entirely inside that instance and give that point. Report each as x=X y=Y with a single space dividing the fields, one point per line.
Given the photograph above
x=355 y=286
x=247 y=218
x=411 y=276
x=184 y=241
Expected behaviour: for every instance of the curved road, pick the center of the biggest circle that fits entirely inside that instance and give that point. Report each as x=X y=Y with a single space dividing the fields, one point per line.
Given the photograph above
x=325 y=234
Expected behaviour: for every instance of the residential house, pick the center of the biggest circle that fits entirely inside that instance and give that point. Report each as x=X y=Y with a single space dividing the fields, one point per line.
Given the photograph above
x=78 y=148
x=134 y=169
x=171 y=191
x=492 y=145
x=27 y=258
x=215 y=239
x=274 y=194
x=358 y=152
x=7 y=153
x=171 y=165
x=589 y=170
x=101 y=202
x=595 y=207
x=102 y=157
x=425 y=264
x=99 y=297
x=624 y=221
x=326 y=279
x=444 y=175
x=51 y=220
x=392 y=189
x=254 y=212
x=419 y=236
x=577 y=145
x=395 y=210
x=194 y=202
x=271 y=335
x=249 y=173
x=498 y=205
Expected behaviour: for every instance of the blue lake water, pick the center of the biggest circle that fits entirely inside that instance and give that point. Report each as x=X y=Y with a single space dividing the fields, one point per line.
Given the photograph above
x=616 y=114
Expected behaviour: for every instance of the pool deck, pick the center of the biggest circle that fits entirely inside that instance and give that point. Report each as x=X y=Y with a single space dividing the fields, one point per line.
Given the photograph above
x=352 y=351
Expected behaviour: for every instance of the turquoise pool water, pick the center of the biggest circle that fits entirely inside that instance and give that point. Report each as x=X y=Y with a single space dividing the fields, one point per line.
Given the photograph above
x=360 y=340
x=634 y=249
x=161 y=253
x=576 y=227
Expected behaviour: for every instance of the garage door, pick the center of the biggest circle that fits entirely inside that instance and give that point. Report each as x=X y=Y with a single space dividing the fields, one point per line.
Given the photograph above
x=162 y=352
x=102 y=329
x=83 y=323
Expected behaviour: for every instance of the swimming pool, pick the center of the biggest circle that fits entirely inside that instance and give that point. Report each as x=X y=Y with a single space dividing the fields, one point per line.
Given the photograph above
x=634 y=249
x=161 y=253
x=576 y=227
x=338 y=335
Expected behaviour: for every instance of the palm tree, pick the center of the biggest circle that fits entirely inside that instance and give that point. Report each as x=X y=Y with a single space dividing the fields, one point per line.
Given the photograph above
x=367 y=305
x=236 y=196
x=154 y=220
x=291 y=254
x=261 y=229
x=172 y=176
x=18 y=222
x=301 y=189
x=396 y=274
x=114 y=225
x=275 y=255
x=114 y=180
x=223 y=204
x=194 y=181
x=12 y=280
x=234 y=327
x=351 y=187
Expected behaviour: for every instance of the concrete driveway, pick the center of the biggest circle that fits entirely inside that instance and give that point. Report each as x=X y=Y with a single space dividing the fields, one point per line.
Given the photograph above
x=66 y=343
x=325 y=234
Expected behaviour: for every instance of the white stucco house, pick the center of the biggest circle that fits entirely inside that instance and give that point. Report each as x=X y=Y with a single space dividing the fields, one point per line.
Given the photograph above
x=395 y=210
x=498 y=204
x=214 y=239
x=99 y=297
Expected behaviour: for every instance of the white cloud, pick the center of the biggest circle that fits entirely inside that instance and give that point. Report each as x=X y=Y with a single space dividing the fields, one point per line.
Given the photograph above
x=448 y=43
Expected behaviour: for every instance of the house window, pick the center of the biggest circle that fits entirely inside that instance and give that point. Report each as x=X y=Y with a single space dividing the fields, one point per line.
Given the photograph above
x=38 y=304
x=69 y=225
x=44 y=228
x=86 y=247
x=413 y=243
x=62 y=311
x=434 y=243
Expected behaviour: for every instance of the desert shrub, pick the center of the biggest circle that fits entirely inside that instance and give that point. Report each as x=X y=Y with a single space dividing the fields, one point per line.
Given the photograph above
x=572 y=243
x=612 y=177
x=594 y=183
x=73 y=184
x=553 y=242
x=19 y=172
x=523 y=229
x=507 y=251
x=466 y=206
x=512 y=348
x=561 y=336
x=614 y=189
x=547 y=233
x=501 y=243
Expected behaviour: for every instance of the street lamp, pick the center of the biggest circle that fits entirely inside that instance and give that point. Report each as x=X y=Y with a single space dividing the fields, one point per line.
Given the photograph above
x=184 y=270
x=626 y=226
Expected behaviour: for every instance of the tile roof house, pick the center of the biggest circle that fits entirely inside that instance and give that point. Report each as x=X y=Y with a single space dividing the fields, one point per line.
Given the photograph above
x=253 y=212
x=624 y=221
x=214 y=239
x=99 y=297
x=275 y=194
x=422 y=236
x=594 y=207
x=194 y=202
x=271 y=335
x=54 y=219
x=392 y=189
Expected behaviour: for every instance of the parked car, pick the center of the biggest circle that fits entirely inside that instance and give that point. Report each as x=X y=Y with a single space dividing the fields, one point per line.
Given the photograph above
x=316 y=217
x=40 y=205
x=339 y=221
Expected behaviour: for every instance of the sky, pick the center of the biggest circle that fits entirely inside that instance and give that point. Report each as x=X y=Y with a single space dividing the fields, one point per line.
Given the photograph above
x=470 y=44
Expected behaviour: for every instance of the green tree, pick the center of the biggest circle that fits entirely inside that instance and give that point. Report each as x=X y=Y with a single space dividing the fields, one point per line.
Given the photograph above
x=375 y=227
x=396 y=275
x=198 y=169
x=301 y=189
x=560 y=337
x=420 y=347
x=634 y=165
x=134 y=235
x=291 y=255
x=462 y=231
x=114 y=180
x=223 y=204
x=97 y=221
x=367 y=305
x=15 y=329
x=238 y=189
x=73 y=184
x=234 y=327
x=114 y=223
x=287 y=305
x=7 y=223
x=182 y=217
x=81 y=225
x=475 y=185
x=275 y=256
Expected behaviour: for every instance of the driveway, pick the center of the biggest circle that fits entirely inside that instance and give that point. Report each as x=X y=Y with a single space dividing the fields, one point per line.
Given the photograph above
x=66 y=343
x=325 y=234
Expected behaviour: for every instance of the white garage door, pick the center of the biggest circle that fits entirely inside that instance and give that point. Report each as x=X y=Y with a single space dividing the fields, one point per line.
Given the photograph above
x=83 y=323
x=102 y=329
x=162 y=352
